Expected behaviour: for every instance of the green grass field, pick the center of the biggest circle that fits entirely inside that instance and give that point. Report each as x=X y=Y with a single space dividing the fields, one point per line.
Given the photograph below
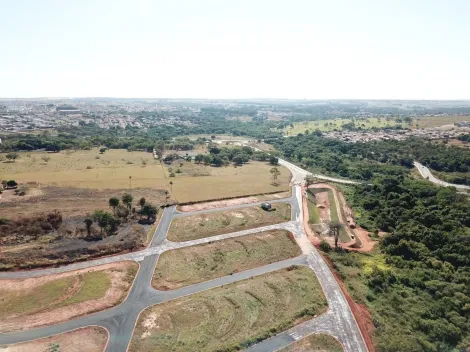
x=343 y=236
x=231 y=317
x=50 y=295
x=371 y=122
x=190 y=265
x=217 y=223
x=315 y=342
x=314 y=217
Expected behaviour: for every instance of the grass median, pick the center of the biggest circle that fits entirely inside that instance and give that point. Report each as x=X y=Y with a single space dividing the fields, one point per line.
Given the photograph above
x=212 y=224
x=191 y=265
x=231 y=317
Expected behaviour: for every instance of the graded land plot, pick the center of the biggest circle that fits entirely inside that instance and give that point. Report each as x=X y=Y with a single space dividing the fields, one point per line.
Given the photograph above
x=46 y=300
x=436 y=121
x=211 y=224
x=191 y=265
x=231 y=317
x=234 y=201
x=89 y=339
x=315 y=343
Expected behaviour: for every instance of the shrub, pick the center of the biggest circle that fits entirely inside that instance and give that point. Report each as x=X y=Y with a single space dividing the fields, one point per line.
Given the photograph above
x=325 y=246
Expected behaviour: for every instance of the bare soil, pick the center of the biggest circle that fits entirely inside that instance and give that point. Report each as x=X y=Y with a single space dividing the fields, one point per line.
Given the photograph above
x=89 y=339
x=229 y=202
x=120 y=274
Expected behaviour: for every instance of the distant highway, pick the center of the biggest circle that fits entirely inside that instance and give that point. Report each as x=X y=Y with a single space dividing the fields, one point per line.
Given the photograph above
x=426 y=173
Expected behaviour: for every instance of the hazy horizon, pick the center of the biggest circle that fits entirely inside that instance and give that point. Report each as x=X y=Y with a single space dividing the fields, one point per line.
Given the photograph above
x=244 y=50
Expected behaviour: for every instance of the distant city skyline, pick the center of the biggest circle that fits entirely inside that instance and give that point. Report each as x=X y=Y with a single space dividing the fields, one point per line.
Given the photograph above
x=208 y=49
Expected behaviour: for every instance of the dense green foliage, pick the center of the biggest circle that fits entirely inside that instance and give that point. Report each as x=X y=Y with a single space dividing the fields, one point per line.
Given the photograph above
x=364 y=161
x=421 y=302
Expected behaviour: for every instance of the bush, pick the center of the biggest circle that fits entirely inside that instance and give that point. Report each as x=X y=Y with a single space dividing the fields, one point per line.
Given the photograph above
x=325 y=246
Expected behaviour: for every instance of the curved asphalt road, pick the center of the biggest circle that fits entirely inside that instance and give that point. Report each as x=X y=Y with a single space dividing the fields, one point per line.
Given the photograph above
x=121 y=319
x=426 y=173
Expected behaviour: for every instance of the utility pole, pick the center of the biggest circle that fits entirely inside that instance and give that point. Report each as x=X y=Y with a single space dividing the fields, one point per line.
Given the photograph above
x=130 y=182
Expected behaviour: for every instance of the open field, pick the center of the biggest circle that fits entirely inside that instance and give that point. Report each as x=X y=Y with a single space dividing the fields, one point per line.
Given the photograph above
x=217 y=223
x=89 y=339
x=112 y=169
x=371 y=122
x=315 y=343
x=332 y=124
x=28 y=303
x=231 y=317
x=190 y=265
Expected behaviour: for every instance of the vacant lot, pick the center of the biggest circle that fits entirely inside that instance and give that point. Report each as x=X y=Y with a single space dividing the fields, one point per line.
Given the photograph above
x=112 y=170
x=190 y=265
x=46 y=300
x=212 y=224
x=315 y=343
x=436 y=121
x=231 y=317
x=234 y=201
x=90 y=339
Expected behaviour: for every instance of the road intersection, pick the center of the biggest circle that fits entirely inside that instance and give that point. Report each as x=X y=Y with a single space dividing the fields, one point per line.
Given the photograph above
x=120 y=320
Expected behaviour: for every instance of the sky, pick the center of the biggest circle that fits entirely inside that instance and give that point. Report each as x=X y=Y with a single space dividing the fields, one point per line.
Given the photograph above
x=295 y=49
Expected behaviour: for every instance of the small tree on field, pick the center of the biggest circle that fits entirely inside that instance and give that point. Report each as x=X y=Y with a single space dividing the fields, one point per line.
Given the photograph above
x=113 y=203
x=127 y=200
x=273 y=160
x=12 y=156
x=141 y=203
x=103 y=219
x=144 y=162
x=88 y=224
x=102 y=150
x=12 y=183
x=275 y=174
x=150 y=211
x=122 y=211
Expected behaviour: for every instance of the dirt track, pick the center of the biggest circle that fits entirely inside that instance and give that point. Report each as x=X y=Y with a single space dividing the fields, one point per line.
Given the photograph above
x=367 y=244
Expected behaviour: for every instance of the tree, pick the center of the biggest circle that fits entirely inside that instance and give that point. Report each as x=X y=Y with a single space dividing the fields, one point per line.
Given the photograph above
x=309 y=180
x=275 y=174
x=12 y=156
x=334 y=231
x=88 y=224
x=150 y=211
x=122 y=211
x=113 y=203
x=207 y=159
x=102 y=150
x=171 y=186
x=141 y=203
x=11 y=183
x=103 y=219
x=127 y=200
x=199 y=158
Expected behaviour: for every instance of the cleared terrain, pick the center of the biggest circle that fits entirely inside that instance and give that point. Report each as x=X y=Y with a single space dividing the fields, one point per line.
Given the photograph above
x=191 y=265
x=89 y=339
x=212 y=224
x=233 y=316
x=46 y=300
x=315 y=343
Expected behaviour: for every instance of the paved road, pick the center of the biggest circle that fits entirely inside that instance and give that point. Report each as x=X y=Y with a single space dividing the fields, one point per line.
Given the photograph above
x=121 y=319
x=426 y=173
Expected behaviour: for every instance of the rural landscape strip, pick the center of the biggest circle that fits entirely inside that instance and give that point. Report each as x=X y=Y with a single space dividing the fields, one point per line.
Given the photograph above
x=121 y=319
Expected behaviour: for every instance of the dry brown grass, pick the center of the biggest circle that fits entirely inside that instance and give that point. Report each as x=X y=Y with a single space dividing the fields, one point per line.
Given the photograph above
x=217 y=223
x=190 y=265
x=89 y=339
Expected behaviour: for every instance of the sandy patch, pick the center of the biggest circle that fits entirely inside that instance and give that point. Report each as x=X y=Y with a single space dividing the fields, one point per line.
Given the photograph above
x=24 y=321
x=89 y=339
